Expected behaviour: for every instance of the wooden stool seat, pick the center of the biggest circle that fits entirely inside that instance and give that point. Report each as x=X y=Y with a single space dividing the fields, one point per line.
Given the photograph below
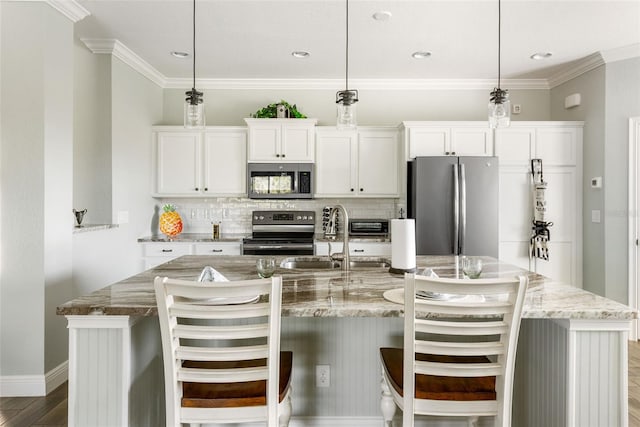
x=437 y=387
x=233 y=395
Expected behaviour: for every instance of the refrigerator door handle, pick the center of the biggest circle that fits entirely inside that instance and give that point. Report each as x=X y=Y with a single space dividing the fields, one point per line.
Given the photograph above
x=456 y=209
x=463 y=208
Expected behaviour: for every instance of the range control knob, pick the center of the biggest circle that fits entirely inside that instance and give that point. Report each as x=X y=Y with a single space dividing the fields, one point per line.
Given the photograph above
x=261 y=217
x=310 y=217
x=298 y=217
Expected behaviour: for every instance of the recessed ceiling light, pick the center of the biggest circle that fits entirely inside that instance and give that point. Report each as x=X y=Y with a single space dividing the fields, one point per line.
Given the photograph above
x=421 y=54
x=179 y=54
x=541 y=55
x=300 y=54
x=382 y=15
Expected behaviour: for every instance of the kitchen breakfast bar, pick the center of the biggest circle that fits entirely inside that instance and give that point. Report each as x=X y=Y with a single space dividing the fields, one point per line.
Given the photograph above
x=571 y=364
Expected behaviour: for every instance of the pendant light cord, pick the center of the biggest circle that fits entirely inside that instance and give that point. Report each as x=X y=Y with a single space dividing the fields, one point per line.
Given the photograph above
x=194 y=44
x=499 y=45
x=346 y=74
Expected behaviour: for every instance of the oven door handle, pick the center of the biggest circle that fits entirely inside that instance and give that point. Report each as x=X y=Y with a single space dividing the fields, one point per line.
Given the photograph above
x=285 y=246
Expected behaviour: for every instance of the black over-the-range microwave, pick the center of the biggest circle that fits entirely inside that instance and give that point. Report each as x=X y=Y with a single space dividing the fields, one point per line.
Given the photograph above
x=280 y=180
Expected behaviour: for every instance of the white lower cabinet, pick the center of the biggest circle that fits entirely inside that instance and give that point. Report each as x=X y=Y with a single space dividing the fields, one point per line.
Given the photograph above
x=156 y=253
x=355 y=248
x=218 y=248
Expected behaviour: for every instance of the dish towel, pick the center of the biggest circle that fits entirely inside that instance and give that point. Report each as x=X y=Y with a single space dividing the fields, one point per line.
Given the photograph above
x=538 y=246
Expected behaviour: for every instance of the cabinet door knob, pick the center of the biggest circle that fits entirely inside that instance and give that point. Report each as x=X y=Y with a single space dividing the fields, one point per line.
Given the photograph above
x=352 y=189
x=277 y=155
x=446 y=153
x=282 y=155
x=362 y=189
x=206 y=189
x=453 y=153
x=197 y=189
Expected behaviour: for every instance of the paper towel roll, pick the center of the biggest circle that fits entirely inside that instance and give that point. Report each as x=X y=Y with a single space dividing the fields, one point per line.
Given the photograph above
x=403 y=244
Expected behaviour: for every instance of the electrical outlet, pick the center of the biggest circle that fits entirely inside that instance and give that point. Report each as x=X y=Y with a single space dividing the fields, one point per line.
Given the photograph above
x=517 y=109
x=323 y=375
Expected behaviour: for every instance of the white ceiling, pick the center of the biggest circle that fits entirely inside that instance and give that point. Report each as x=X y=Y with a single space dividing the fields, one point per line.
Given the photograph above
x=253 y=39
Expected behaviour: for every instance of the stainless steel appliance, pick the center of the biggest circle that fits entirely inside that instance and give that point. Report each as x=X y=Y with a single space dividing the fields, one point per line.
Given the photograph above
x=280 y=233
x=454 y=201
x=368 y=227
x=280 y=180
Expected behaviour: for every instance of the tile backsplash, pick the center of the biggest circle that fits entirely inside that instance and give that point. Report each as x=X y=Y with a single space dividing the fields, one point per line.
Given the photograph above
x=234 y=214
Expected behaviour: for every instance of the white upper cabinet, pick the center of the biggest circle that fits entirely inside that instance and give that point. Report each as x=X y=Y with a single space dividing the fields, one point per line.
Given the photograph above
x=225 y=160
x=362 y=163
x=447 y=139
x=556 y=143
x=378 y=162
x=281 y=140
x=178 y=162
x=200 y=163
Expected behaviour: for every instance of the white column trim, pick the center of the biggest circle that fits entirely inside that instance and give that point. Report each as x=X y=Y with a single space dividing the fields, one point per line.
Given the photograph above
x=634 y=140
x=70 y=8
x=124 y=323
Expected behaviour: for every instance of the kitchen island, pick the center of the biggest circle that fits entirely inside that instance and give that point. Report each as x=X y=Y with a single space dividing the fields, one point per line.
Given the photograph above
x=571 y=366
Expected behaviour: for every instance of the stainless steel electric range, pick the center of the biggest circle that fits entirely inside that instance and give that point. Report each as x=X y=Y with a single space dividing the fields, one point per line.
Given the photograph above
x=280 y=233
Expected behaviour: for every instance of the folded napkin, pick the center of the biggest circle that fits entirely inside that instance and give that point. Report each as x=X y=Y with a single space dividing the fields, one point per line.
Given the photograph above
x=210 y=274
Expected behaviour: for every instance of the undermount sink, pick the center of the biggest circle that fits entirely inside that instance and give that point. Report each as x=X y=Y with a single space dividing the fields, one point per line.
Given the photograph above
x=316 y=263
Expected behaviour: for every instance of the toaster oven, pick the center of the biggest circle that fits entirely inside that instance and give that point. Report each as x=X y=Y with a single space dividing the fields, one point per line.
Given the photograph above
x=368 y=227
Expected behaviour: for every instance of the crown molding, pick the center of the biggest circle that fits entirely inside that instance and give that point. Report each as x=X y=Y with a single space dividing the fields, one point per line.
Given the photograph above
x=621 y=53
x=360 y=84
x=126 y=55
x=576 y=69
x=70 y=8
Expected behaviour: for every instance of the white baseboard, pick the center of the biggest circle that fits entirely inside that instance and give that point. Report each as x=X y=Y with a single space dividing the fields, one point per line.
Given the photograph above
x=57 y=376
x=34 y=385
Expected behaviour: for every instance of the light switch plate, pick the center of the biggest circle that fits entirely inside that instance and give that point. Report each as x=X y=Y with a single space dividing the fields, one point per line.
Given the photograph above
x=595 y=216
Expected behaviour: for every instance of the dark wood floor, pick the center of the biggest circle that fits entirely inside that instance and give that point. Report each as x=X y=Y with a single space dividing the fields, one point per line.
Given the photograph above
x=51 y=410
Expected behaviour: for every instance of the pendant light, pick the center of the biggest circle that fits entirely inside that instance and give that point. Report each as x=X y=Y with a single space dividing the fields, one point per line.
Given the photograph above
x=499 y=104
x=346 y=99
x=194 y=102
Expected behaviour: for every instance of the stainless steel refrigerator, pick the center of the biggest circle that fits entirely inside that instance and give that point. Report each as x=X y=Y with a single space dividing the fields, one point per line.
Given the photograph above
x=454 y=201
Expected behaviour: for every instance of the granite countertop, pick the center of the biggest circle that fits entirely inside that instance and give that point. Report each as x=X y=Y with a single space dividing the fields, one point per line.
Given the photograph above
x=193 y=238
x=334 y=293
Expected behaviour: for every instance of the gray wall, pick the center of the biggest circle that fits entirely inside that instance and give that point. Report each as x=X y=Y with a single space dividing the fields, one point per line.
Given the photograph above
x=35 y=185
x=376 y=107
x=622 y=102
x=591 y=86
x=135 y=104
x=92 y=135
x=610 y=96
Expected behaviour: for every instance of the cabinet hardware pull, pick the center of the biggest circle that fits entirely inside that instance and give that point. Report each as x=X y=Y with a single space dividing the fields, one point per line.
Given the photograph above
x=352 y=189
x=358 y=250
x=362 y=189
x=446 y=153
x=167 y=250
x=216 y=250
x=197 y=189
x=283 y=155
x=453 y=153
x=277 y=155
x=206 y=189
